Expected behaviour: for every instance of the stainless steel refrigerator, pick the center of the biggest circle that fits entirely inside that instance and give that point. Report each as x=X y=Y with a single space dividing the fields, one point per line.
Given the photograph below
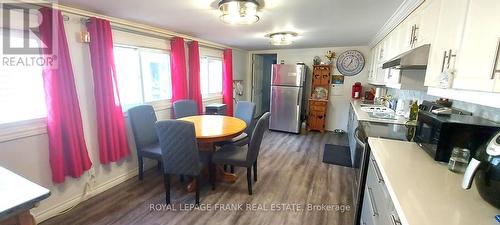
x=287 y=97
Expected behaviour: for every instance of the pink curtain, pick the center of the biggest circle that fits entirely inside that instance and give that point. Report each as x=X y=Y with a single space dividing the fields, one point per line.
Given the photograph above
x=194 y=75
x=178 y=68
x=67 y=150
x=111 y=132
x=227 y=79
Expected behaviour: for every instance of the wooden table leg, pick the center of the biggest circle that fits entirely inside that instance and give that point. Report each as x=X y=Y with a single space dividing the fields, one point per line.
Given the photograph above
x=220 y=174
x=23 y=218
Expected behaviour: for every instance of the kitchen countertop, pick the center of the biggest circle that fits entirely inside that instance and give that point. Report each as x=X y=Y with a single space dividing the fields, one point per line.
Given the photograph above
x=363 y=116
x=424 y=192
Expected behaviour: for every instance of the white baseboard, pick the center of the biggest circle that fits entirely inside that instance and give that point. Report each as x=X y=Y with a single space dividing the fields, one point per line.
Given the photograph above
x=57 y=209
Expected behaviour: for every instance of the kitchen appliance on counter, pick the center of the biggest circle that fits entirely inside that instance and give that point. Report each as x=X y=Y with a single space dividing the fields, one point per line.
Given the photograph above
x=485 y=168
x=431 y=106
x=287 y=97
x=439 y=134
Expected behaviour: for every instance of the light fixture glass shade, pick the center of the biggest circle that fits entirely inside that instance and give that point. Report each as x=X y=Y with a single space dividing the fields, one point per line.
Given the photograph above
x=239 y=11
x=283 y=38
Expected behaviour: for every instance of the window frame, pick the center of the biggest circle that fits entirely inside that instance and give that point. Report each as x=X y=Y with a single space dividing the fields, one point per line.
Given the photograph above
x=159 y=104
x=218 y=95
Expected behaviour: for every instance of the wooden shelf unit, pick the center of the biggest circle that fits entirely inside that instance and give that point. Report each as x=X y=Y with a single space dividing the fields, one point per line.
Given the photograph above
x=316 y=119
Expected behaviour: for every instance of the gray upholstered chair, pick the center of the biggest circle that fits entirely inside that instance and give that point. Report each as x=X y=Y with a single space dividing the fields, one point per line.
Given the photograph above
x=180 y=154
x=142 y=120
x=185 y=108
x=245 y=111
x=245 y=156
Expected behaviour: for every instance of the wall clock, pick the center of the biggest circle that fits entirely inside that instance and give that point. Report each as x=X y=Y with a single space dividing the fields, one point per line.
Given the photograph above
x=350 y=63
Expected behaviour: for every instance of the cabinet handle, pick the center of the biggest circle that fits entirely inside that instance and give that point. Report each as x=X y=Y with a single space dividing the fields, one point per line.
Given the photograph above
x=444 y=61
x=395 y=221
x=372 y=202
x=377 y=171
x=450 y=55
x=495 y=70
x=414 y=37
x=411 y=34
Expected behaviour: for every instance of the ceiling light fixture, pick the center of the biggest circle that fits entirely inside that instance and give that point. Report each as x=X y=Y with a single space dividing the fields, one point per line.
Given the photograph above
x=239 y=11
x=282 y=38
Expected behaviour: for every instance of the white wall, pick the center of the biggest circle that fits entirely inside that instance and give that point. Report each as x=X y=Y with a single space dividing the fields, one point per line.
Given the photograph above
x=338 y=107
x=29 y=156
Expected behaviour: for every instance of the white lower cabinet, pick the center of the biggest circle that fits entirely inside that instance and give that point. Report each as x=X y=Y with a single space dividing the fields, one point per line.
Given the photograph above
x=378 y=208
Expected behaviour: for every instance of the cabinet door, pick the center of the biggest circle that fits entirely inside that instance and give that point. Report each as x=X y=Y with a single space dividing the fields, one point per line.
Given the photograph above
x=427 y=26
x=476 y=61
x=448 y=36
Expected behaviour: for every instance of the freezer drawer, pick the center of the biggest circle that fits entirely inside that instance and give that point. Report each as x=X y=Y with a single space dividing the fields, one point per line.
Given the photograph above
x=285 y=108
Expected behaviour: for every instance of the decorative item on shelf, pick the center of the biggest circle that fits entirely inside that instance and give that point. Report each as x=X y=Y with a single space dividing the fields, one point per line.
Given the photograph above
x=330 y=55
x=350 y=63
x=316 y=60
x=239 y=11
x=356 y=90
x=320 y=93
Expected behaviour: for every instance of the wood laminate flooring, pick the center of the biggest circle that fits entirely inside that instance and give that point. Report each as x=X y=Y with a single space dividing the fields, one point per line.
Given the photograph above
x=290 y=171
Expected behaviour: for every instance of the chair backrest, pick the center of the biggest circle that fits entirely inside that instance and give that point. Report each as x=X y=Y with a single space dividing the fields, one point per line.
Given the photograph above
x=185 y=108
x=142 y=120
x=258 y=133
x=245 y=111
x=179 y=147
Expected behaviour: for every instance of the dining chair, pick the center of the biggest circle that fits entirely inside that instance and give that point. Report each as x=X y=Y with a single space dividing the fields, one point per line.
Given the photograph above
x=142 y=121
x=180 y=155
x=245 y=111
x=185 y=108
x=245 y=156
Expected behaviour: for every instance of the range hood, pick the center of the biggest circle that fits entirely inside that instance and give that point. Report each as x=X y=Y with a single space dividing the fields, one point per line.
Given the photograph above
x=415 y=59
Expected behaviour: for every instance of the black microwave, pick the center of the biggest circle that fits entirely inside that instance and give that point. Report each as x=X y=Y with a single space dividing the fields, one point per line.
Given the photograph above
x=439 y=134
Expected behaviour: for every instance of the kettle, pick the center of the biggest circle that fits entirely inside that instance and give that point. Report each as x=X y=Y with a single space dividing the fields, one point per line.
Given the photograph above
x=485 y=167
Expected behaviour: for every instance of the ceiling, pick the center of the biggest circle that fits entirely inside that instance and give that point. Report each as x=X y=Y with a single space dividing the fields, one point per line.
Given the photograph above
x=319 y=23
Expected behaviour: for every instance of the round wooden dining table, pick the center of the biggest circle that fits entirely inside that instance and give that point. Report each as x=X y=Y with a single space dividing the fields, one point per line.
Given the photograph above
x=211 y=129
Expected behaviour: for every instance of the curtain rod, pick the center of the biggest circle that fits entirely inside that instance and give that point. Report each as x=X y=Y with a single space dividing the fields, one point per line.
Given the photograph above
x=129 y=25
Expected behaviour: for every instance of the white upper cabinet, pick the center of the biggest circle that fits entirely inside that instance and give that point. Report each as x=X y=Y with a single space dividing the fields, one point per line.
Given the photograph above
x=477 y=59
x=426 y=26
x=447 y=39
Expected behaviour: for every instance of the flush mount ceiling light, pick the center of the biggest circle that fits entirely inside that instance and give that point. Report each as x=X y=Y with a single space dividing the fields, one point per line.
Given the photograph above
x=282 y=38
x=239 y=11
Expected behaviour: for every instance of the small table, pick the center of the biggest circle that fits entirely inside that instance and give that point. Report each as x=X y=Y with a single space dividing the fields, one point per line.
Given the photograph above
x=17 y=196
x=211 y=129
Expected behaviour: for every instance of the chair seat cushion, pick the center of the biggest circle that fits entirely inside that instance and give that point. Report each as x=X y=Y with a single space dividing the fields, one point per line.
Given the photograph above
x=239 y=140
x=152 y=151
x=240 y=137
x=232 y=155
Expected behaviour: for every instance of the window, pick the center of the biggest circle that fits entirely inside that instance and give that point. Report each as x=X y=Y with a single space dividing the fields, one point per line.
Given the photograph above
x=143 y=75
x=22 y=95
x=210 y=76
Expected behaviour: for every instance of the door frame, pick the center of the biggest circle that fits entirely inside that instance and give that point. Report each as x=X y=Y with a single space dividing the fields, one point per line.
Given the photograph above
x=252 y=72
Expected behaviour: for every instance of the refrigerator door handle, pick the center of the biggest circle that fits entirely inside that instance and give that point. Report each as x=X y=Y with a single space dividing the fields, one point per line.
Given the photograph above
x=298 y=97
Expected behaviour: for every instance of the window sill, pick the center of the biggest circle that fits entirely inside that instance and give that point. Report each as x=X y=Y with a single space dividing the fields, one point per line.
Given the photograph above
x=212 y=97
x=22 y=129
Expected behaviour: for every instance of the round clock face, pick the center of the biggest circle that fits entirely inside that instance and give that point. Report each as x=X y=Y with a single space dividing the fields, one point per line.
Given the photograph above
x=350 y=63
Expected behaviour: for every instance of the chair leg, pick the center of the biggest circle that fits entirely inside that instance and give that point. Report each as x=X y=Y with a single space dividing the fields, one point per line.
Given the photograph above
x=141 y=167
x=232 y=169
x=255 y=171
x=198 y=184
x=212 y=171
x=249 y=180
x=158 y=165
x=166 y=181
x=225 y=167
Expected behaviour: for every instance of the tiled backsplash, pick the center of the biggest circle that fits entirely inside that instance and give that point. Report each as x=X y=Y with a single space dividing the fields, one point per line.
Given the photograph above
x=477 y=110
